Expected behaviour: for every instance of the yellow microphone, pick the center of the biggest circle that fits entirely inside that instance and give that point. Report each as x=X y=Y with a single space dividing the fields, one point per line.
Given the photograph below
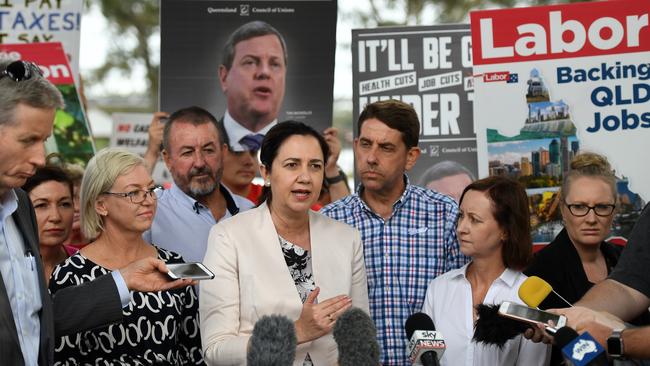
x=534 y=290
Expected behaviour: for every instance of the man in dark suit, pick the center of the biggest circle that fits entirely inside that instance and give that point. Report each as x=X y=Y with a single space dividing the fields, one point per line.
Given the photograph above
x=29 y=317
x=252 y=75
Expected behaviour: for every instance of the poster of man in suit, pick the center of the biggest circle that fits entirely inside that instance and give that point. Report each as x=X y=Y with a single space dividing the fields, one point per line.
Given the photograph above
x=294 y=63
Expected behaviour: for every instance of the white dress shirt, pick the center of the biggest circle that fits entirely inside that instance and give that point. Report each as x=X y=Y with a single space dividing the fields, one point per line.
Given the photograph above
x=236 y=131
x=449 y=304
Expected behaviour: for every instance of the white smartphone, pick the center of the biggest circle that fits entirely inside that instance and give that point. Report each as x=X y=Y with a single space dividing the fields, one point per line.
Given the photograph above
x=531 y=315
x=194 y=271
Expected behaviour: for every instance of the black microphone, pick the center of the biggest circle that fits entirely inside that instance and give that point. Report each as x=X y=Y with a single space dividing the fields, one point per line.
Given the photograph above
x=580 y=350
x=426 y=345
x=196 y=207
x=273 y=342
x=356 y=337
x=493 y=329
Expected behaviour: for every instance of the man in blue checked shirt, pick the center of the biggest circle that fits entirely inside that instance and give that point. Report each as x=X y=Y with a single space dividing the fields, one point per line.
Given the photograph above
x=408 y=232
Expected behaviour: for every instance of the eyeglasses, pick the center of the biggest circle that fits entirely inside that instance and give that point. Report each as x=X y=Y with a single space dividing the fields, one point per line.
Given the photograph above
x=20 y=70
x=138 y=196
x=580 y=210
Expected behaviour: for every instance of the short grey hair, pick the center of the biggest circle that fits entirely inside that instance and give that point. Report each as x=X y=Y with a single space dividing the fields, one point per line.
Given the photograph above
x=36 y=92
x=194 y=115
x=445 y=168
x=256 y=28
x=100 y=175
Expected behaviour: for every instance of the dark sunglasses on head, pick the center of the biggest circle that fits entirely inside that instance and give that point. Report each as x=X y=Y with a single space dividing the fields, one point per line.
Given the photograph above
x=20 y=70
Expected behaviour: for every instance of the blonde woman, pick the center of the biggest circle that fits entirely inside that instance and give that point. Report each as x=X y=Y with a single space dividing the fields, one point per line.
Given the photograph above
x=118 y=202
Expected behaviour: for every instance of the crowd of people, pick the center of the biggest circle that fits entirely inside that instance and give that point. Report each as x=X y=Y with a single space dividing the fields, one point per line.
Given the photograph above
x=83 y=255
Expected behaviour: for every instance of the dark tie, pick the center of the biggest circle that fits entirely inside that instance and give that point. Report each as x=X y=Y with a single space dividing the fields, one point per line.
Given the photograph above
x=252 y=142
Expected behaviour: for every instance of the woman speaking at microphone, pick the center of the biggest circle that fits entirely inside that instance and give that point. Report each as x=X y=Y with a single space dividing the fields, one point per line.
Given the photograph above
x=282 y=258
x=494 y=230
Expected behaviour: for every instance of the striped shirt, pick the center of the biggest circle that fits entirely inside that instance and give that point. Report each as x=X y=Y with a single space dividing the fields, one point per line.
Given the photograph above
x=402 y=255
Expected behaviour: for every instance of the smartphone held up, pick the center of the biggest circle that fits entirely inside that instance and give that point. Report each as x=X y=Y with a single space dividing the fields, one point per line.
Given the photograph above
x=193 y=271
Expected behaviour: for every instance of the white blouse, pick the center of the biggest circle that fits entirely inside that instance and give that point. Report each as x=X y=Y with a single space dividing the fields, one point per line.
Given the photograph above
x=449 y=304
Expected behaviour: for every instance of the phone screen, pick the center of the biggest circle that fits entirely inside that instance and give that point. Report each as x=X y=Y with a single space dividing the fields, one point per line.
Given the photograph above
x=189 y=270
x=525 y=312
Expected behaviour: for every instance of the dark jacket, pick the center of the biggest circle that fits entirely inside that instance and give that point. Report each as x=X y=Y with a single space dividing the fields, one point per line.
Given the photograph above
x=559 y=264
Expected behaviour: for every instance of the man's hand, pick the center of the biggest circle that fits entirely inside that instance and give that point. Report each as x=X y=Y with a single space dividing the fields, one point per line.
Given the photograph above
x=537 y=333
x=331 y=136
x=156 y=129
x=599 y=324
x=150 y=274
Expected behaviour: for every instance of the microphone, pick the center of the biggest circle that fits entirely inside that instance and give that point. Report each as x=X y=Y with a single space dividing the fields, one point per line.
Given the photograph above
x=356 y=337
x=273 y=342
x=580 y=350
x=425 y=346
x=492 y=328
x=196 y=207
x=534 y=290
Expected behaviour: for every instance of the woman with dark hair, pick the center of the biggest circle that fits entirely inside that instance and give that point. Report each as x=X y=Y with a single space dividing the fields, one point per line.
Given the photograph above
x=282 y=258
x=494 y=230
x=50 y=190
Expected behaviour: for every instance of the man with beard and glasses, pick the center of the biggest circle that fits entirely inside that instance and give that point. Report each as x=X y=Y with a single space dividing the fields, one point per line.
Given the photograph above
x=193 y=151
x=408 y=232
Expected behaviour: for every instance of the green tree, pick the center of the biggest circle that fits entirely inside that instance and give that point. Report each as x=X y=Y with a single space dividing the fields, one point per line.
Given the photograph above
x=133 y=26
x=383 y=12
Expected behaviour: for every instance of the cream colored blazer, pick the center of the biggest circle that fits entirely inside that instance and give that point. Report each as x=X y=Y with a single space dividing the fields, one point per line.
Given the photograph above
x=252 y=280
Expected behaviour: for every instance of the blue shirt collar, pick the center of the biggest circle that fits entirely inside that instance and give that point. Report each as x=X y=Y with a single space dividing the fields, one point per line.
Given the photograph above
x=195 y=205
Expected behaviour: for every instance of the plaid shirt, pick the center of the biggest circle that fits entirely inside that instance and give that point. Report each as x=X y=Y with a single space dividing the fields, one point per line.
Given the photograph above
x=402 y=254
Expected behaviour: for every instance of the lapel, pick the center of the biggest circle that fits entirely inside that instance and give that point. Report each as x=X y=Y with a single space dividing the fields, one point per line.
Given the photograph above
x=320 y=264
x=6 y=316
x=274 y=257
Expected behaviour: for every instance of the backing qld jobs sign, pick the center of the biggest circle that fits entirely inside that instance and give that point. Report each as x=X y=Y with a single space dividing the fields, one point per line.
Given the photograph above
x=551 y=81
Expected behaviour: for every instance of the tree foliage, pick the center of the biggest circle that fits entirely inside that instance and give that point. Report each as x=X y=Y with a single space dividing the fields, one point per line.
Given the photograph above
x=410 y=12
x=132 y=25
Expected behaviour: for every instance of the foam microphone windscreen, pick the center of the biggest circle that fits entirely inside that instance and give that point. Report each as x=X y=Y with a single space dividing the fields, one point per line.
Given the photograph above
x=356 y=337
x=534 y=290
x=418 y=321
x=273 y=342
x=564 y=336
x=492 y=328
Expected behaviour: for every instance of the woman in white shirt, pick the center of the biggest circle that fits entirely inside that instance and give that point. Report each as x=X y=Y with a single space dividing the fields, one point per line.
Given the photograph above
x=494 y=230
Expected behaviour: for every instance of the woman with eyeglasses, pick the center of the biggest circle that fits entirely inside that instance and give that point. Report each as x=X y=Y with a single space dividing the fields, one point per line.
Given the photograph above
x=118 y=203
x=579 y=256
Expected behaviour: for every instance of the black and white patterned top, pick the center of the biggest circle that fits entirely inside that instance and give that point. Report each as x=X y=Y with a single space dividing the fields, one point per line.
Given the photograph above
x=299 y=263
x=157 y=328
